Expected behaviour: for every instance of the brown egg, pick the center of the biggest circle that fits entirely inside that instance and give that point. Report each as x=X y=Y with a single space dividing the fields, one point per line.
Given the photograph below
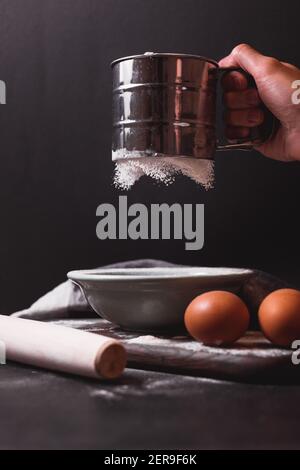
x=279 y=316
x=216 y=318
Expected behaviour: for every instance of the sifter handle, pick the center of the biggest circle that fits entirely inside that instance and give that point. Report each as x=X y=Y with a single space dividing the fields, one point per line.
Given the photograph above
x=258 y=134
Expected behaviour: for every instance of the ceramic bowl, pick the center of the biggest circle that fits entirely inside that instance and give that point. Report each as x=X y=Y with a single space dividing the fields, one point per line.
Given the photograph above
x=152 y=299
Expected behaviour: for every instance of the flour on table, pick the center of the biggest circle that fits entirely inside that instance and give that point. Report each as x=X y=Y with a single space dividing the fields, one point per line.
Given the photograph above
x=252 y=344
x=130 y=167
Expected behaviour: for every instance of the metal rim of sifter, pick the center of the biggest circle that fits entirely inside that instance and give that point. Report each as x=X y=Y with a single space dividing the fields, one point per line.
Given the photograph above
x=164 y=54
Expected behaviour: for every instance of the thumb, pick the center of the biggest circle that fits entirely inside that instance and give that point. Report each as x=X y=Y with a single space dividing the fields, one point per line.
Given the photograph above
x=248 y=59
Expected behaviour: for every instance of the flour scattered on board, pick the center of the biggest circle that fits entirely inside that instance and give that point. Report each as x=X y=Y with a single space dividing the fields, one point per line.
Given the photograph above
x=252 y=344
x=130 y=167
x=154 y=383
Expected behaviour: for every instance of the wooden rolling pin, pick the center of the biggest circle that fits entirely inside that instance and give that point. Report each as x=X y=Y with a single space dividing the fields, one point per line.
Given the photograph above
x=61 y=348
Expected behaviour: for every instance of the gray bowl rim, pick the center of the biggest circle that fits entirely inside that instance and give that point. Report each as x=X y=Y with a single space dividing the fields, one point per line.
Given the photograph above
x=157 y=274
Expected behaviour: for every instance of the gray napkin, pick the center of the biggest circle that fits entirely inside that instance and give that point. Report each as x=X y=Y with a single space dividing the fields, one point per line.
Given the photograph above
x=67 y=300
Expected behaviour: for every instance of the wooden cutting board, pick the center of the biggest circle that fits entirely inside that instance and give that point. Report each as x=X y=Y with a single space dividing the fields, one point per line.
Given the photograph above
x=251 y=359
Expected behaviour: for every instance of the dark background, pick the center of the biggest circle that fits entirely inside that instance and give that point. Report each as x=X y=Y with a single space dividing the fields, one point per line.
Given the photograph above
x=55 y=137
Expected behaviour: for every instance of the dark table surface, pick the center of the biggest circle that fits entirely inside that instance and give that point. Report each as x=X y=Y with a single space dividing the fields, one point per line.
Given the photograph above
x=143 y=410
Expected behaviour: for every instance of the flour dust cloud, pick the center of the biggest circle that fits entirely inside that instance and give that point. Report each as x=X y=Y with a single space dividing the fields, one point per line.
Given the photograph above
x=131 y=166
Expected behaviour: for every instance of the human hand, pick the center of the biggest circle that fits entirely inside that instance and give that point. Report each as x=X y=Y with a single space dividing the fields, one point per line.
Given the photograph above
x=274 y=80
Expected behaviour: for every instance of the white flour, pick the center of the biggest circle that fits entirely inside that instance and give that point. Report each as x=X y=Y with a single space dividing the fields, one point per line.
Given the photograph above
x=252 y=344
x=130 y=167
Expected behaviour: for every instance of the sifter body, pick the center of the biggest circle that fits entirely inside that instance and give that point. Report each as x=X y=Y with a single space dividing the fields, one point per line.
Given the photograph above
x=164 y=105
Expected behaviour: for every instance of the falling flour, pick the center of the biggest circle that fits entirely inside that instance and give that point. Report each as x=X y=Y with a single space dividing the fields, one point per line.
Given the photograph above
x=130 y=167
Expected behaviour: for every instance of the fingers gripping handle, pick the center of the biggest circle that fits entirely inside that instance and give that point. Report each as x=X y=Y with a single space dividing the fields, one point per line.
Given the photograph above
x=258 y=134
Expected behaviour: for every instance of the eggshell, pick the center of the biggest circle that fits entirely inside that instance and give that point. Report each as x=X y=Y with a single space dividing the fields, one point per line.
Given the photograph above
x=217 y=318
x=279 y=316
